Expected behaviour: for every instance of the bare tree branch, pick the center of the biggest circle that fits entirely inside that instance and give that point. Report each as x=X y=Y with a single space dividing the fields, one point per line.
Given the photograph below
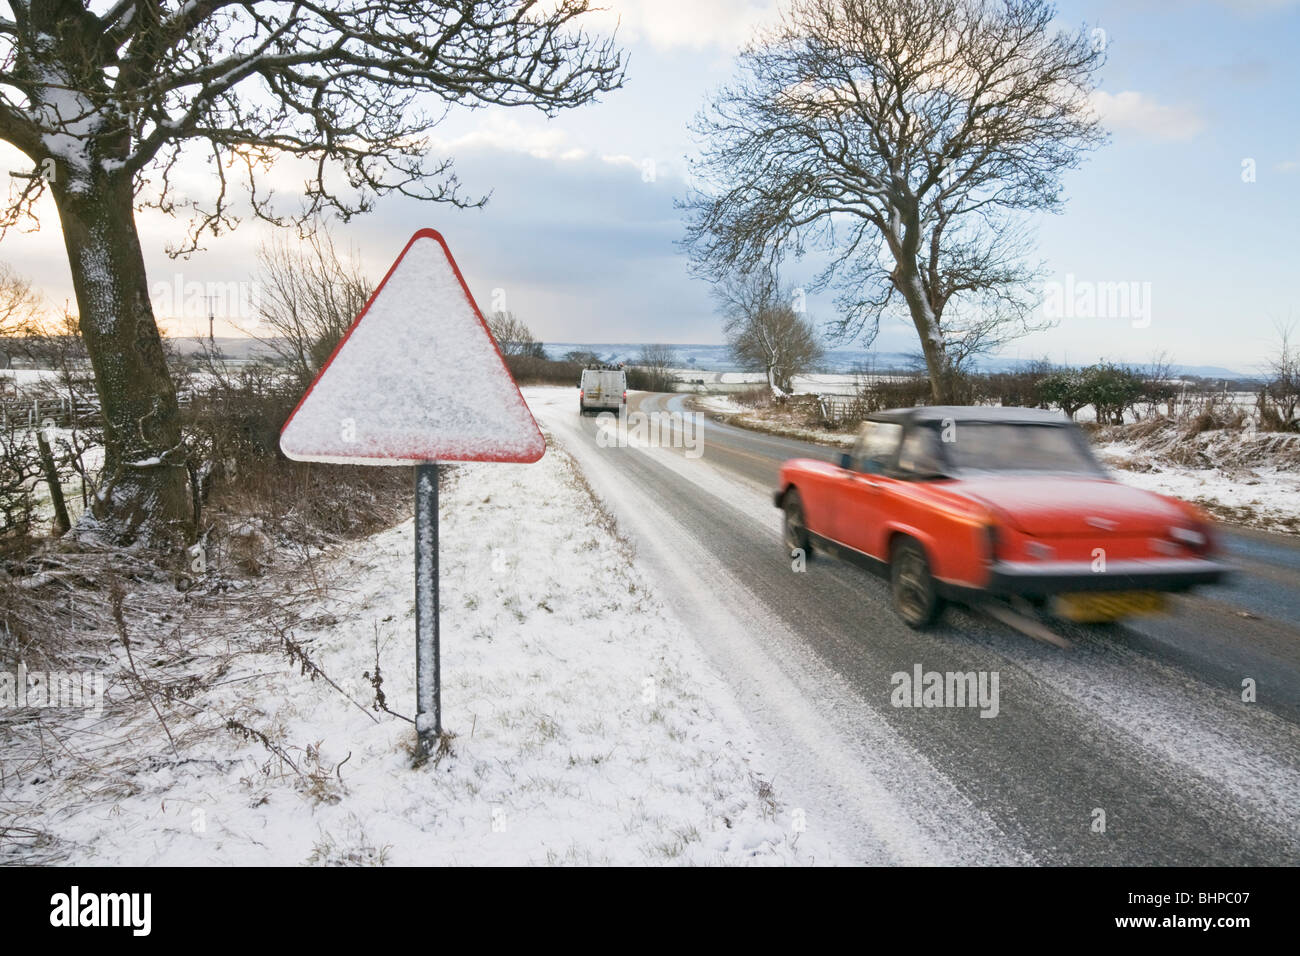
x=906 y=139
x=346 y=86
x=308 y=298
x=513 y=337
x=766 y=330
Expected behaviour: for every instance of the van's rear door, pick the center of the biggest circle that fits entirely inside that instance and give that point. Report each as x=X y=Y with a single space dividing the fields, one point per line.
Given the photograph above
x=611 y=386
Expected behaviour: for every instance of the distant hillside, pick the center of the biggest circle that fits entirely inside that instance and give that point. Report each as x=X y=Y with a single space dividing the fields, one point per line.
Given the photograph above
x=711 y=358
x=232 y=347
x=717 y=358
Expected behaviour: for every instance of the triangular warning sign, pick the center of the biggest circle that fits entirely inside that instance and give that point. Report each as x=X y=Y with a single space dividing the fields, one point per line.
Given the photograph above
x=417 y=378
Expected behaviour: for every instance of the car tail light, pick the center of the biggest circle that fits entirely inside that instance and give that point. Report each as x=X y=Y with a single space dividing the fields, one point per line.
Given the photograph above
x=1196 y=540
x=581 y=393
x=625 y=396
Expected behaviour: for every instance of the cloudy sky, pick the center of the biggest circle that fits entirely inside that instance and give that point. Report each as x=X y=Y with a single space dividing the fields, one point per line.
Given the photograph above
x=581 y=233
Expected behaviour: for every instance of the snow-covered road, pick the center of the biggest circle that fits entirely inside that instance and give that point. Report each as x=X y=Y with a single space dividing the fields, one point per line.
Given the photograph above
x=843 y=762
x=1134 y=747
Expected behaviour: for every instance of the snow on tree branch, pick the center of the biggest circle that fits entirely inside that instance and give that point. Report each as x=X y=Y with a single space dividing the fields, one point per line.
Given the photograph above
x=352 y=87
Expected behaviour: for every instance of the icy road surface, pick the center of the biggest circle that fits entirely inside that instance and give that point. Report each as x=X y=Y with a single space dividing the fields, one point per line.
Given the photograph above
x=1134 y=747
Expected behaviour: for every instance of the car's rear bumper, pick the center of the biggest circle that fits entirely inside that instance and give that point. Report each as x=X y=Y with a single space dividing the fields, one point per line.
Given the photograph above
x=1049 y=578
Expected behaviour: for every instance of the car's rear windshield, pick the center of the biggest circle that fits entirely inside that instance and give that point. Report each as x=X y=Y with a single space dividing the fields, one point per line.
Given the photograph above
x=1018 y=447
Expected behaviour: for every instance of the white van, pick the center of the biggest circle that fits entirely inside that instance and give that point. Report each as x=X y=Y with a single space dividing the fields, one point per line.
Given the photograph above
x=602 y=389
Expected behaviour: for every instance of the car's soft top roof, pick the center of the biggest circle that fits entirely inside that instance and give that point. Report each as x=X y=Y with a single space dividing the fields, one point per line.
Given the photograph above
x=970 y=413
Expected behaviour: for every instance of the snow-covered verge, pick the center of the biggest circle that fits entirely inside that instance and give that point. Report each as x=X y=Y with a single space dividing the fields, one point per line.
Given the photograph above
x=588 y=727
x=1239 y=475
x=771 y=420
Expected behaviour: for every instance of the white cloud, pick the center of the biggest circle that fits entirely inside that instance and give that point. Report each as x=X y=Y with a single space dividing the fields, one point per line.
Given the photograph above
x=1135 y=112
x=500 y=133
x=693 y=24
x=504 y=133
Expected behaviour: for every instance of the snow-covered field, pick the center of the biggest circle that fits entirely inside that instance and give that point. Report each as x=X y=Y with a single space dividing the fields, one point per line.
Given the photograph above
x=764 y=420
x=26 y=376
x=589 y=728
x=822 y=383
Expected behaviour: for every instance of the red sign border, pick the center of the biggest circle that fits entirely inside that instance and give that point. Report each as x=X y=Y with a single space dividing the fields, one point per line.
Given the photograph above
x=425 y=233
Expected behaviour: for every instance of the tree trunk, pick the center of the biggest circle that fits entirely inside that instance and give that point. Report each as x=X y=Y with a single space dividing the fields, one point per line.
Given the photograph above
x=926 y=323
x=773 y=388
x=904 y=243
x=143 y=496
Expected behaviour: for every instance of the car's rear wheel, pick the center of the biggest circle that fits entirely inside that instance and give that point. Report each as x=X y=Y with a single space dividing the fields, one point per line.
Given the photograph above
x=796 y=529
x=916 y=596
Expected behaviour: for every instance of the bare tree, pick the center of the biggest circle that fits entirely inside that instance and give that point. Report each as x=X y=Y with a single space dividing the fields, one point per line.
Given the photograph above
x=106 y=104
x=906 y=138
x=765 y=331
x=658 y=361
x=57 y=346
x=31 y=449
x=20 y=305
x=307 y=298
x=1159 y=385
x=513 y=336
x=1279 y=398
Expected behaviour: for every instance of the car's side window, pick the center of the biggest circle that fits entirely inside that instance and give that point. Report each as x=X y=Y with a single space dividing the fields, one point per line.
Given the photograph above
x=920 y=454
x=876 y=446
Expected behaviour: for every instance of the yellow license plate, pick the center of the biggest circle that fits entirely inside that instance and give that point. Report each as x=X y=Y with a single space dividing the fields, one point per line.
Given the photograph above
x=1093 y=608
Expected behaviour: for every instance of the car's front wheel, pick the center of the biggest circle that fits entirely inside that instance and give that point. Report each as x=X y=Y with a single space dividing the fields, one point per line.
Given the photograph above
x=916 y=595
x=796 y=529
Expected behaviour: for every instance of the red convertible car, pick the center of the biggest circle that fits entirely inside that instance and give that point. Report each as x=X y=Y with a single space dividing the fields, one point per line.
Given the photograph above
x=972 y=504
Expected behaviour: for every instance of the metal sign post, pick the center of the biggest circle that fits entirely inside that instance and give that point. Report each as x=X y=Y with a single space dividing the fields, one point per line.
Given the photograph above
x=428 y=677
x=393 y=393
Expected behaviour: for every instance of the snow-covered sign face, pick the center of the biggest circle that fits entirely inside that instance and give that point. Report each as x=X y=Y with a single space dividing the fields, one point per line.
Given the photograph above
x=417 y=378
